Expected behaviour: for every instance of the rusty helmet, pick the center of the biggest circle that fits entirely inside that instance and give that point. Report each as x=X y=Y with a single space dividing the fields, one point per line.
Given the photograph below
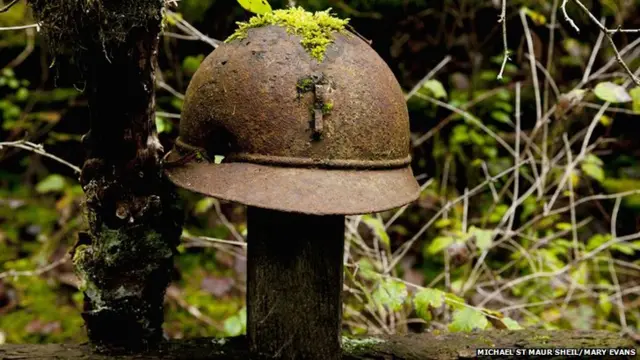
x=297 y=134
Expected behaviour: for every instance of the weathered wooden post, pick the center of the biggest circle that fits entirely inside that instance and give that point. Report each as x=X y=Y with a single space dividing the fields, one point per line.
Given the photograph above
x=313 y=126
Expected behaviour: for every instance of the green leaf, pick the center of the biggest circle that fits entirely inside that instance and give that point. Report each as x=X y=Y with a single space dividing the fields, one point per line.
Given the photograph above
x=22 y=94
x=604 y=303
x=611 y=92
x=378 y=228
x=233 y=326
x=191 y=63
x=581 y=274
x=438 y=244
x=484 y=238
x=435 y=89
x=597 y=240
x=635 y=97
x=454 y=301
x=203 y=205
x=593 y=170
x=255 y=6
x=391 y=293
x=467 y=319
x=537 y=18
x=511 y=324
x=52 y=183
x=427 y=299
x=163 y=125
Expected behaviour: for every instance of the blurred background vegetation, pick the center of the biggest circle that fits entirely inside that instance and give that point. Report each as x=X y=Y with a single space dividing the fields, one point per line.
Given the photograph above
x=558 y=251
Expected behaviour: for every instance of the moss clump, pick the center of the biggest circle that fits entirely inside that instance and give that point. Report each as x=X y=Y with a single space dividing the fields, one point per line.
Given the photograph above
x=315 y=29
x=327 y=107
x=305 y=84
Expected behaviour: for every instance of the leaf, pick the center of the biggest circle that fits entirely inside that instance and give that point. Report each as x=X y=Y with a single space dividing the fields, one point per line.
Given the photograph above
x=484 y=238
x=467 y=319
x=163 y=125
x=604 y=303
x=255 y=6
x=233 y=326
x=593 y=171
x=581 y=274
x=435 y=88
x=378 y=229
x=537 y=18
x=427 y=299
x=511 y=324
x=52 y=183
x=611 y=92
x=438 y=244
x=391 y=294
x=590 y=158
x=191 y=63
x=635 y=97
x=203 y=205
x=606 y=120
x=597 y=240
x=454 y=301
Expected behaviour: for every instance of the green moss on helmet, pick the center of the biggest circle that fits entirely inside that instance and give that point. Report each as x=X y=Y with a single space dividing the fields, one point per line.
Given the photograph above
x=315 y=29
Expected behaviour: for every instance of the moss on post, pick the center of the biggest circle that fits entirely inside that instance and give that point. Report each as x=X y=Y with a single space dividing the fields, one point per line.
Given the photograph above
x=125 y=260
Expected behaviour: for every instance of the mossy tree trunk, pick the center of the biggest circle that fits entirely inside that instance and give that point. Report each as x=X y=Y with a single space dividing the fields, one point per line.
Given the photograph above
x=125 y=259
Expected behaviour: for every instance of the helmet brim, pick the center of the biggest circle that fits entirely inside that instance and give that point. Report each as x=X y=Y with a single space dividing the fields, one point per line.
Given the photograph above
x=301 y=190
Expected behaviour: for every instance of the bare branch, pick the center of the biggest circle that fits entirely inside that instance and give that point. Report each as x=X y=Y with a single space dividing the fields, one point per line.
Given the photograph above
x=38 y=149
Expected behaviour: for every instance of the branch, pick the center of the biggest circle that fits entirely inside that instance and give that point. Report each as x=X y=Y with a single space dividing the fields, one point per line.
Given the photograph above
x=503 y=19
x=8 y=6
x=36 y=272
x=21 y=27
x=607 y=32
x=38 y=149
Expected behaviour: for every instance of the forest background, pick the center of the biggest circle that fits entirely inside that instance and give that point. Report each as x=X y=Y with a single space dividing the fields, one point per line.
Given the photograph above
x=530 y=171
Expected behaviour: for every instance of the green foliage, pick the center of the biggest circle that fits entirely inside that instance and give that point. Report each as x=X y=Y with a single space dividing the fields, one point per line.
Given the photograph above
x=635 y=97
x=316 y=30
x=255 y=6
x=467 y=319
x=391 y=293
x=435 y=88
x=611 y=92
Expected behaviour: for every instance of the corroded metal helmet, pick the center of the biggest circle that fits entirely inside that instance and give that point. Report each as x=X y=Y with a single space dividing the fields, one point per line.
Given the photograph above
x=298 y=134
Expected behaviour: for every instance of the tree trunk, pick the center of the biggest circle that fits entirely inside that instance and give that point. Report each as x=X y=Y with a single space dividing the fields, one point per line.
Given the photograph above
x=125 y=259
x=294 y=285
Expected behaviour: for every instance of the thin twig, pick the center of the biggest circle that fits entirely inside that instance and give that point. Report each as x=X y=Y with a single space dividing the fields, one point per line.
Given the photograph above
x=38 y=149
x=36 y=272
x=8 y=6
x=608 y=34
x=21 y=27
x=470 y=118
x=503 y=20
x=426 y=78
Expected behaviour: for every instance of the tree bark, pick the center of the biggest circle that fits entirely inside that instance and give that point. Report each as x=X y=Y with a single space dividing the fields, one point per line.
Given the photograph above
x=294 y=285
x=401 y=347
x=125 y=259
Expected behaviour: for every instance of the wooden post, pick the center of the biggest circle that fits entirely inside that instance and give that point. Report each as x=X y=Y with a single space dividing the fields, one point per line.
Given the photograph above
x=294 y=285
